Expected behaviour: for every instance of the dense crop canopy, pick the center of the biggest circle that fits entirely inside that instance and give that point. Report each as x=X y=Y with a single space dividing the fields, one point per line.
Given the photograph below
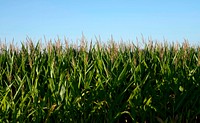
x=99 y=83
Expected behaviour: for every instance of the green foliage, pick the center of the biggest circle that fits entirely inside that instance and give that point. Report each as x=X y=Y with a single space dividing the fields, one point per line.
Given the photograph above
x=99 y=83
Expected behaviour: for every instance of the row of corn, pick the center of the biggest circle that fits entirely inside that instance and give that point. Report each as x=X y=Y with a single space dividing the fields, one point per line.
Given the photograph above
x=113 y=82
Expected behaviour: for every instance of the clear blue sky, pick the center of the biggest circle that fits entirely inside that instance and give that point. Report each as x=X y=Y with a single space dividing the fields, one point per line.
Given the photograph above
x=173 y=20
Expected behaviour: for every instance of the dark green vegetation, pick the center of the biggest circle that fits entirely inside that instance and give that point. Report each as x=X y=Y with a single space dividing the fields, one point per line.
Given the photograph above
x=100 y=83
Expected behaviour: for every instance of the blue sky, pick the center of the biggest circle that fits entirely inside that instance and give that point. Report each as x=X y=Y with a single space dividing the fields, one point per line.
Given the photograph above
x=123 y=19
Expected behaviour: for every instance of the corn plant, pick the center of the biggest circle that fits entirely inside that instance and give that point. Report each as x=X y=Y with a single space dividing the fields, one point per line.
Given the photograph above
x=96 y=82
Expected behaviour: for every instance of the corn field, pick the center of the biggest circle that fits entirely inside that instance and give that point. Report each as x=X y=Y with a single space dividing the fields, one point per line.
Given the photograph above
x=101 y=83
